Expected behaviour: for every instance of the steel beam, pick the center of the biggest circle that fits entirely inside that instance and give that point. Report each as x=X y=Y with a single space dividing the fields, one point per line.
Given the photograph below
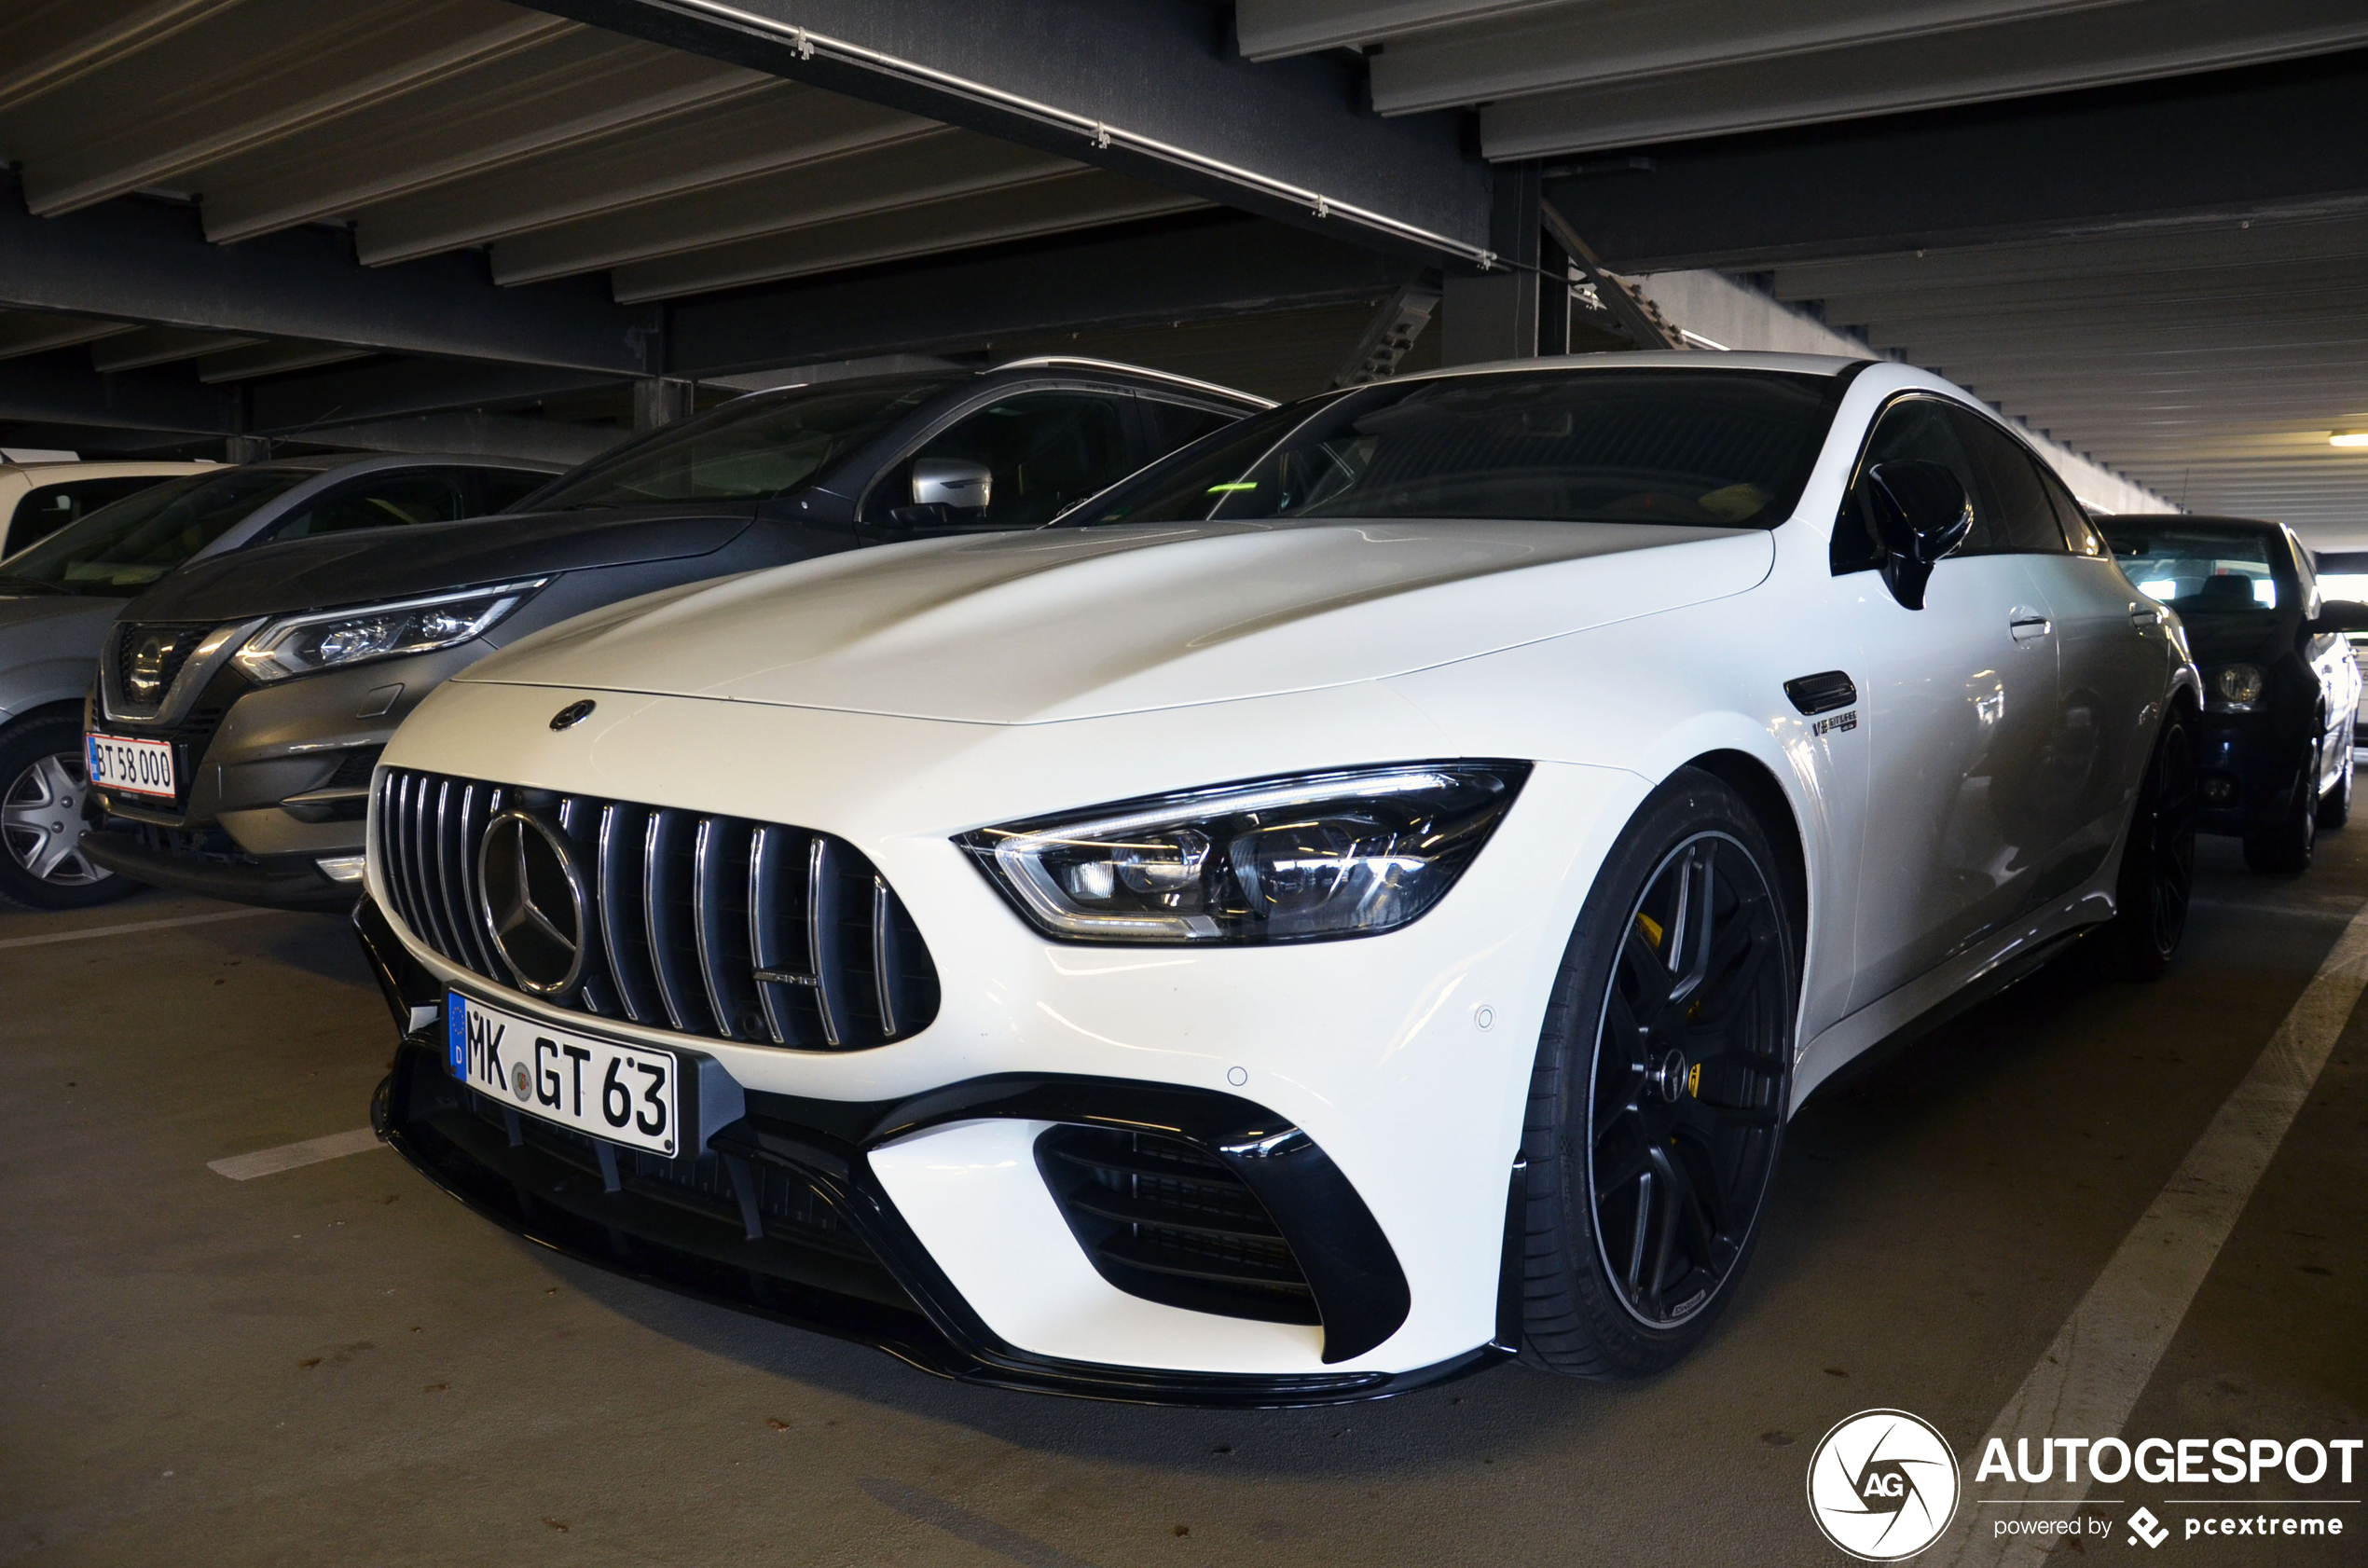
x=290 y=404
x=59 y=388
x=1185 y=270
x=2258 y=143
x=148 y=261
x=1111 y=83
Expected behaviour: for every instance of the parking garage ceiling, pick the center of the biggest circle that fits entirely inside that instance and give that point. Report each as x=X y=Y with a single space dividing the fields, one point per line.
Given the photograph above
x=2138 y=226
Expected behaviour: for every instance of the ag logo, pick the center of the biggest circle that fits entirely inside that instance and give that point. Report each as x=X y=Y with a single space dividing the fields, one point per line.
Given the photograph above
x=1883 y=1485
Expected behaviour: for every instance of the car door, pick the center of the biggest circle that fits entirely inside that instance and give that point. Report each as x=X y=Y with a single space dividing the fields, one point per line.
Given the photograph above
x=1958 y=698
x=1042 y=451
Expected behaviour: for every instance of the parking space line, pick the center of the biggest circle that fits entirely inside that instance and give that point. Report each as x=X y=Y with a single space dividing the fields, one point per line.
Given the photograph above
x=288 y=1156
x=2106 y=1353
x=962 y=1524
x=139 y=926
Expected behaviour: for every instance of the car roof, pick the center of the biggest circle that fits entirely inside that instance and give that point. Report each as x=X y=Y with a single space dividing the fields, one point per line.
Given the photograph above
x=2188 y=519
x=1663 y=359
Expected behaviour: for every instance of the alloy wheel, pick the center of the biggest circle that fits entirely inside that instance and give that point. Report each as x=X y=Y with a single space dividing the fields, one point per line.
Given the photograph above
x=41 y=821
x=1690 y=1070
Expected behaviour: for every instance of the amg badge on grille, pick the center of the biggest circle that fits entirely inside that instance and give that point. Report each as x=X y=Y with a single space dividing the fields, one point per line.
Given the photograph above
x=573 y=714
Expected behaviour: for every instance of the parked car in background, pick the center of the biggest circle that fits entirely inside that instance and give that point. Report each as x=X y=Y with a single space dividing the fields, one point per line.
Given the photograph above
x=289 y=668
x=37 y=499
x=59 y=600
x=1357 y=901
x=2281 y=686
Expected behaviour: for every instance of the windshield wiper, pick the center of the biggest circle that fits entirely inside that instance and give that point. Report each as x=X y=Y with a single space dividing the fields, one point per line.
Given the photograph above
x=8 y=584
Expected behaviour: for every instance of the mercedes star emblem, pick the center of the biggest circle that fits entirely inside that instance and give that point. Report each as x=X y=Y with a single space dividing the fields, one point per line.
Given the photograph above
x=573 y=714
x=534 y=902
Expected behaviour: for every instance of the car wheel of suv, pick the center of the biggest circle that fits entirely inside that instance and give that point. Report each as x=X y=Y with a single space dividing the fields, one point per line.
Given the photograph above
x=42 y=784
x=2334 y=806
x=2284 y=846
x=2158 y=860
x=1658 y=1103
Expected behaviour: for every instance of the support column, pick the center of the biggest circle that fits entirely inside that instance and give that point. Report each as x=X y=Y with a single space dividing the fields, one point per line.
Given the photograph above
x=660 y=399
x=1493 y=315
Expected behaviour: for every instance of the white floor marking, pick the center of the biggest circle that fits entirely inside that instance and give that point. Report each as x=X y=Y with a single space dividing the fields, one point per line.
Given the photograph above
x=2106 y=1352
x=139 y=926
x=288 y=1156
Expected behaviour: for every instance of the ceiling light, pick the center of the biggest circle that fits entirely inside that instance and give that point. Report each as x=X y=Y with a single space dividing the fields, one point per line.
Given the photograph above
x=2348 y=438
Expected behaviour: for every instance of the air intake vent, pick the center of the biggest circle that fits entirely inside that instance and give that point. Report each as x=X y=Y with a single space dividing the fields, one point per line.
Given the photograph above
x=1167 y=1221
x=709 y=926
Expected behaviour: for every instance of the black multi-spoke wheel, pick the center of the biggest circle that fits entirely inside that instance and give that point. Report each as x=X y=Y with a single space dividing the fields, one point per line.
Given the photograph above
x=2157 y=861
x=1663 y=1074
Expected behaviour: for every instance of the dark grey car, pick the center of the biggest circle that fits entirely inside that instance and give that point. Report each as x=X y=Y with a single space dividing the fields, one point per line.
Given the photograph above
x=59 y=597
x=273 y=680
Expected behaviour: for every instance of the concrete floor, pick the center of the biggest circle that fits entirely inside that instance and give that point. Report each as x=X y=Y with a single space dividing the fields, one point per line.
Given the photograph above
x=335 y=1364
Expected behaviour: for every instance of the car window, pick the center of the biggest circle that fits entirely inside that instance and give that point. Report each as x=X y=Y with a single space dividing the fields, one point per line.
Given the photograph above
x=48 y=508
x=122 y=548
x=2079 y=530
x=1707 y=448
x=502 y=488
x=1170 y=425
x=2023 y=518
x=1044 y=450
x=2195 y=566
x=390 y=500
x=1911 y=430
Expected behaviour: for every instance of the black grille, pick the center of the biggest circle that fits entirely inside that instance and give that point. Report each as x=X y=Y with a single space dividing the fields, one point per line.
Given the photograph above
x=174 y=644
x=710 y=926
x=1167 y=1221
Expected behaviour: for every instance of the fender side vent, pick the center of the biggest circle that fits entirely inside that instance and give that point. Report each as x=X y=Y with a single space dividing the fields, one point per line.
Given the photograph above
x=1822 y=693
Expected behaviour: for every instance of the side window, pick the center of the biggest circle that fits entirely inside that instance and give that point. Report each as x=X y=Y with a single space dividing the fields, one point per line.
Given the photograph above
x=1916 y=430
x=2072 y=515
x=2025 y=518
x=48 y=508
x=1170 y=425
x=501 y=489
x=1042 y=449
x=435 y=496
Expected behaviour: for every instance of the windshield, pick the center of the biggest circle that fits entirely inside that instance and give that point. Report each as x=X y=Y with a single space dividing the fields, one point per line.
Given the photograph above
x=1700 y=448
x=749 y=449
x=122 y=548
x=2193 y=567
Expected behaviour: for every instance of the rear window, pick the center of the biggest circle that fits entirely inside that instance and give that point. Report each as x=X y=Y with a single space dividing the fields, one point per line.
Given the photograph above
x=2192 y=566
x=1705 y=449
x=48 y=508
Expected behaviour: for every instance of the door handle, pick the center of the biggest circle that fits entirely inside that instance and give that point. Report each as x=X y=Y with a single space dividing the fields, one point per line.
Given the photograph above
x=2027 y=626
x=2142 y=616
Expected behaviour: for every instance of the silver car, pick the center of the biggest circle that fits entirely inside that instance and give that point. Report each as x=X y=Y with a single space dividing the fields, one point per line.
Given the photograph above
x=59 y=597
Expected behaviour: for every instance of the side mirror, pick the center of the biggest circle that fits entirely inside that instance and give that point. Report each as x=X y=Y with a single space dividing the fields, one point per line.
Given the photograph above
x=1919 y=513
x=2340 y=614
x=955 y=483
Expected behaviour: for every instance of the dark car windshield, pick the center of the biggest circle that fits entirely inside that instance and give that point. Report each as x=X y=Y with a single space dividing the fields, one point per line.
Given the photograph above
x=2194 y=566
x=749 y=449
x=123 y=547
x=1702 y=448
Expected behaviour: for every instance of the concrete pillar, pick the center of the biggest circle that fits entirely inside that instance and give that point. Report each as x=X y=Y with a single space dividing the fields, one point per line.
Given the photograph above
x=660 y=399
x=1493 y=315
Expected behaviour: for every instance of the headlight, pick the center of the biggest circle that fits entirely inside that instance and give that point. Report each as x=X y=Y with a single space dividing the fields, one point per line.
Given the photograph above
x=301 y=644
x=1346 y=854
x=2236 y=687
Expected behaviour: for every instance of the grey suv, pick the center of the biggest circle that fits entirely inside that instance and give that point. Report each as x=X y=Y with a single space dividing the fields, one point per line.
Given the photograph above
x=59 y=597
x=242 y=704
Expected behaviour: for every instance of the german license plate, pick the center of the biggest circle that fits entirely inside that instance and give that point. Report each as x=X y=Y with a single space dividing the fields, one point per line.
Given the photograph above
x=626 y=1093
x=136 y=767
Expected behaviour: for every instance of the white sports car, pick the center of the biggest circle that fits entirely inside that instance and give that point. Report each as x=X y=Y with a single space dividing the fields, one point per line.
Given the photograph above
x=1355 y=902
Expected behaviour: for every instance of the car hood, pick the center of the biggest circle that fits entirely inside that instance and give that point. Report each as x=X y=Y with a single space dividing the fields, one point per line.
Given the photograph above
x=2218 y=638
x=403 y=562
x=1075 y=623
x=46 y=625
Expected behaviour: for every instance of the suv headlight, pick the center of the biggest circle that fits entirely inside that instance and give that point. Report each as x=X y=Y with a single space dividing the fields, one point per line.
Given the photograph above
x=1327 y=855
x=2235 y=688
x=302 y=645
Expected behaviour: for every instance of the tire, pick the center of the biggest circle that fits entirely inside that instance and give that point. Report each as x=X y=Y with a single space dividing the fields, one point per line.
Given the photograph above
x=2283 y=848
x=1690 y=1106
x=41 y=789
x=2157 y=880
x=2334 y=806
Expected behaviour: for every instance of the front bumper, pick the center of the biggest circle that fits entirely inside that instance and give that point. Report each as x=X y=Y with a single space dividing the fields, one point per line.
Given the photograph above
x=280 y=882
x=786 y=1213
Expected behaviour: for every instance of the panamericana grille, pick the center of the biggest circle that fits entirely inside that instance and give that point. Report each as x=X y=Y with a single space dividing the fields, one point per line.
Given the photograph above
x=710 y=926
x=1165 y=1221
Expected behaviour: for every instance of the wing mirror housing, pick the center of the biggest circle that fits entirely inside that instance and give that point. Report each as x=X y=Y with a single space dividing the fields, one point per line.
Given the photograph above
x=955 y=484
x=2340 y=614
x=1919 y=513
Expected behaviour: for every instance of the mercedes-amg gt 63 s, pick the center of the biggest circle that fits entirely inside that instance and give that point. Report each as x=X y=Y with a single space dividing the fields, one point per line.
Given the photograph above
x=1351 y=902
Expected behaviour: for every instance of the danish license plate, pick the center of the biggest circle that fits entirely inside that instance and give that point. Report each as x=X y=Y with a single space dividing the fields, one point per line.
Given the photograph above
x=626 y=1093
x=136 y=767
